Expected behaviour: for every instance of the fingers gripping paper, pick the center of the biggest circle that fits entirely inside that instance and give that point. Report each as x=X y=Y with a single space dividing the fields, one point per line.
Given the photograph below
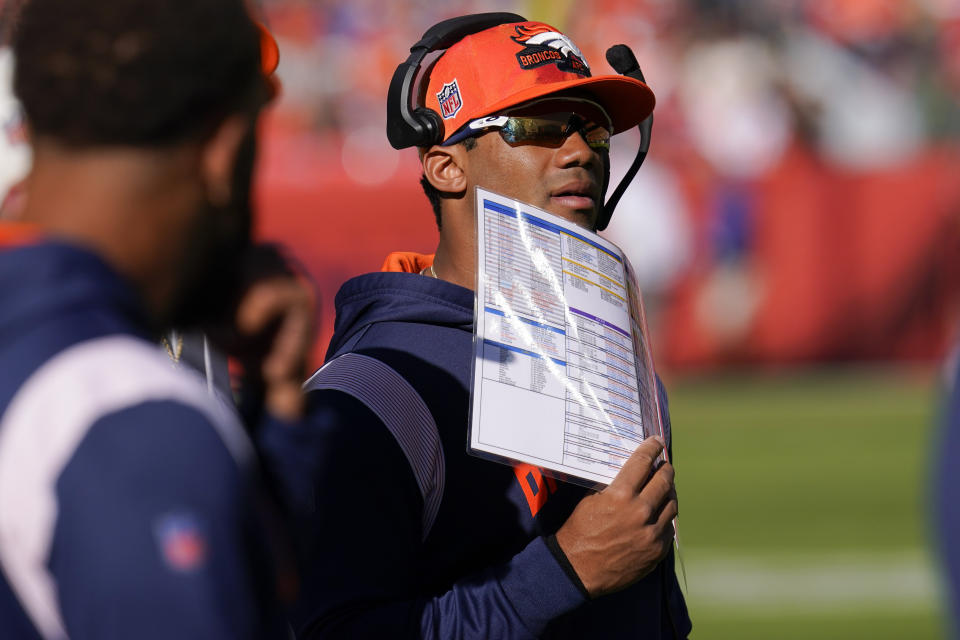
x=563 y=375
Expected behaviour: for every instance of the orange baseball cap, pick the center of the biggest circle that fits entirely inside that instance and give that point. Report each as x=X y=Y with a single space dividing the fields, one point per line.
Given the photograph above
x=269 y=59
x=269 y=51
x=504 y=66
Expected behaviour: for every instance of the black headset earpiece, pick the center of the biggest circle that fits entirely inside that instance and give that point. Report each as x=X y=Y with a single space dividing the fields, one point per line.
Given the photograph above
x=410 y=125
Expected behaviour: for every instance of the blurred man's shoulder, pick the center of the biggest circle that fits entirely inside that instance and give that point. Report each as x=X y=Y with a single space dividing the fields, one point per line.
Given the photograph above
x=116 y=377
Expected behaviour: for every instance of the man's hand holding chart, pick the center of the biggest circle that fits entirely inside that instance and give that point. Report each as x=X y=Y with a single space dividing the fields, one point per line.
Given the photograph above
x=615 y=537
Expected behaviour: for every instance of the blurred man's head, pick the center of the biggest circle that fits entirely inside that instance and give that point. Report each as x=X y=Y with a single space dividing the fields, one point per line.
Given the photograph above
x=135 y=72
x=165 y=96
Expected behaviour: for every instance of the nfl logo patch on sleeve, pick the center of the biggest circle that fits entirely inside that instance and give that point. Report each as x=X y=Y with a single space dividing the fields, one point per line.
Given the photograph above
x=449 y=99
x=182 y=541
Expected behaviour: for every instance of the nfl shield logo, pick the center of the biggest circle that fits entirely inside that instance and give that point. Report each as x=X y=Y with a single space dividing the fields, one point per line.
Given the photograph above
x=449 y=99
x=182 y=541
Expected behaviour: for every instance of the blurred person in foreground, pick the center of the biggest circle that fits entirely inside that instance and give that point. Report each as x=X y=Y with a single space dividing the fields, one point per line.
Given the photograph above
x=506 y=552
x=947 y=495
x=130 y=500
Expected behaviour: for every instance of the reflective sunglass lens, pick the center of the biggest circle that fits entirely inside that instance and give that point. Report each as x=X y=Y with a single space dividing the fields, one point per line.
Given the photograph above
x=553 y=129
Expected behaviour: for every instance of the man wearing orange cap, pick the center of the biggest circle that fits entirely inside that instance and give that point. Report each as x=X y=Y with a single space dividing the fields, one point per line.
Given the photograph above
x=410 y=536
x=130 y=501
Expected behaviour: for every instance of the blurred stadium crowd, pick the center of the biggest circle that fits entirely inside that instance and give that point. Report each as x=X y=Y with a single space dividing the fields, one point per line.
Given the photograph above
x=799 y=203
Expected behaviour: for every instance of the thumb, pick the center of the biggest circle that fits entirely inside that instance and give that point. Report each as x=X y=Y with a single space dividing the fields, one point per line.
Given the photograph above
x=635 y=471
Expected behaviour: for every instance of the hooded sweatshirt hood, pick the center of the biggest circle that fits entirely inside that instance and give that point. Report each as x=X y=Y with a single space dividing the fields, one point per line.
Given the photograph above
x=51 y=281
x=398 y=297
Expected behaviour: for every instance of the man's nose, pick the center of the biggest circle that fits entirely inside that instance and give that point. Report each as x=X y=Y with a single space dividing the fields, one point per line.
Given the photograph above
x=576 y=152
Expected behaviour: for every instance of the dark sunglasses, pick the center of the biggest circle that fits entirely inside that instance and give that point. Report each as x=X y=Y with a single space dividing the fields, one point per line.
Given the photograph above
x=549 y=129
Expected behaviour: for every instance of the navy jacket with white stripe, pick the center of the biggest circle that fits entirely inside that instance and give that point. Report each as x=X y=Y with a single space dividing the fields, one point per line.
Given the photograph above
x=127 y=493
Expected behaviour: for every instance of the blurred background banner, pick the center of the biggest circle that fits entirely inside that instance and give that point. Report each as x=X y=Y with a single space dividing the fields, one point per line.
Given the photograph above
x=796 y=231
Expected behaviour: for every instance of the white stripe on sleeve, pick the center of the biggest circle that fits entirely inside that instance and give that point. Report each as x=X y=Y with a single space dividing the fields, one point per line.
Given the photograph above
x=47 y=420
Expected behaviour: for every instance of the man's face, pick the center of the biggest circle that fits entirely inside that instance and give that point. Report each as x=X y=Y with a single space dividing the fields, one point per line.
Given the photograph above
x=211 y=272
x=565 y=179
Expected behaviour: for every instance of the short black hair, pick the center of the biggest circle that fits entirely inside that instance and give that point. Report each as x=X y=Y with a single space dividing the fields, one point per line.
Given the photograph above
x=433 y=194
x=135 y=72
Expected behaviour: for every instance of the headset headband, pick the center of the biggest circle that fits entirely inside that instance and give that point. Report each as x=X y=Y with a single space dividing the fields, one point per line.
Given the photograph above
x=409 y=125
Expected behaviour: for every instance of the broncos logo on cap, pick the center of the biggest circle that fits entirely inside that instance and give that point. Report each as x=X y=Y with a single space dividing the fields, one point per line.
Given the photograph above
x=544 y=45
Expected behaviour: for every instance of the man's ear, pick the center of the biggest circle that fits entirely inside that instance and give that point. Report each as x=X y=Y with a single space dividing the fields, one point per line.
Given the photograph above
x=219 y=157
x=444 y=168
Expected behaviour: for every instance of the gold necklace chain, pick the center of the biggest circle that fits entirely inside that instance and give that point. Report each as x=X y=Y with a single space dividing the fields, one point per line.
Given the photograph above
x=173 y=353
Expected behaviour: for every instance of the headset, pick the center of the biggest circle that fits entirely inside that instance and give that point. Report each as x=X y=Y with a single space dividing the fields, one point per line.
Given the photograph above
x=411 y=125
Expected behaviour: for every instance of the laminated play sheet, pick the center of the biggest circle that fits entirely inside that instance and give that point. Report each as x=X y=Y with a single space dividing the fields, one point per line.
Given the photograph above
x=563 y=376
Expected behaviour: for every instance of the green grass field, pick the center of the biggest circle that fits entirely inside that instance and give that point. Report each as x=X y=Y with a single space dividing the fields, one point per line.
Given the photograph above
x=803 y=504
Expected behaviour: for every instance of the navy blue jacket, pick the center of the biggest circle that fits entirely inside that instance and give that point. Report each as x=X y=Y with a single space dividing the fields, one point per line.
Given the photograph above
x=485 y=570
x=947 y=490
x=128 y=498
